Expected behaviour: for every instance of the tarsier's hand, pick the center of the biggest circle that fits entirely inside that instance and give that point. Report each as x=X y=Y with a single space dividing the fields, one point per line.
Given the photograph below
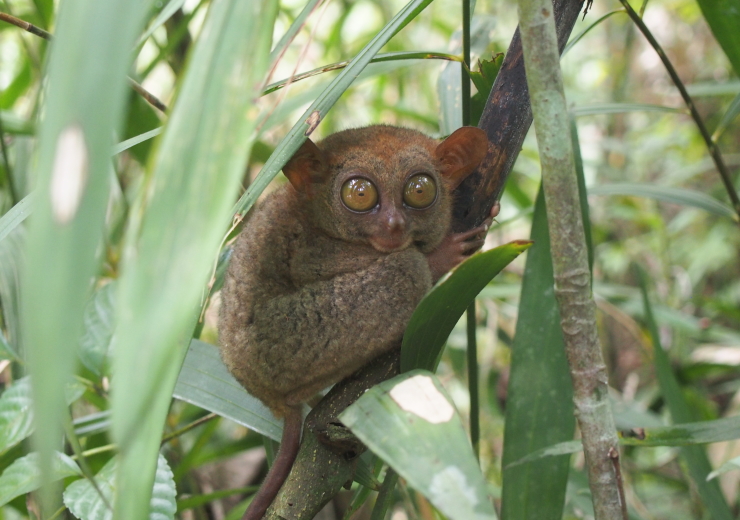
x=456 y=247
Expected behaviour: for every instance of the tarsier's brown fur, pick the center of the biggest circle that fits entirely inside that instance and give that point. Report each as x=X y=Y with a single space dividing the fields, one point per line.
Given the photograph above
x=315 y=291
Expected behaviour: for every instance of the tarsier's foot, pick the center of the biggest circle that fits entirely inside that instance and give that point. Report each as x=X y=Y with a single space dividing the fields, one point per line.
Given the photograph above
x=456 y=247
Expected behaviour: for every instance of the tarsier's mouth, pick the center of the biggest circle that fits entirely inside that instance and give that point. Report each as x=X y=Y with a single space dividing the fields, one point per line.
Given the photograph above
x=385 y=245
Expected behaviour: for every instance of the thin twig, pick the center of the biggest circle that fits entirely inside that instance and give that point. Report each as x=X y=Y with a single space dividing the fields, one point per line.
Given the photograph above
x=188 y=427
x=714 y=150
x=38 y=31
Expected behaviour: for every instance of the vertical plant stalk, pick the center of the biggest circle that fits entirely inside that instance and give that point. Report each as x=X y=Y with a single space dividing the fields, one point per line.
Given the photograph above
x=569 y=256
x=714 y=150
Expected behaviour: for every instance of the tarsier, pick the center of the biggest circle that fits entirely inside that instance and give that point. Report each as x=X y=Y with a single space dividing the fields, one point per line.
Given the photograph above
x=329 y=269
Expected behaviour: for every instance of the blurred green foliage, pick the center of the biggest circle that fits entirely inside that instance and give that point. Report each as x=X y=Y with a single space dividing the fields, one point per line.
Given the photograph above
x=690 y=254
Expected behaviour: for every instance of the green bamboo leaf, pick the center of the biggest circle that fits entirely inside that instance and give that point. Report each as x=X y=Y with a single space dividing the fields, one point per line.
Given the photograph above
x=130 y=143
x=723 y=17
x=83 y=108
x=409 y=422
x=17 y=412
x=622 y=108
x=85 y=503
x=681 y=196
x=13 y=124
x=294 y=28
x=539 y=411
x=695 y=456
x=24 y=476
x=182 y=214
x=98 y=321
x=164 y=15
x=729 y=116
x=441 y=308
x=206 y=382
x=685 y=434
x=15 y=216
x=561 y=448
x=318 y=109
x=574 y=40
x=730 y=465
x=11 y=261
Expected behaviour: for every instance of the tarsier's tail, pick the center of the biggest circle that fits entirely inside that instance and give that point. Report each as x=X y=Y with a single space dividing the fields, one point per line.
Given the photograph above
x=289 y=445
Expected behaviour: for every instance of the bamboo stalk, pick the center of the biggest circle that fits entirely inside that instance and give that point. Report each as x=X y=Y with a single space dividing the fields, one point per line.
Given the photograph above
x=570 y=257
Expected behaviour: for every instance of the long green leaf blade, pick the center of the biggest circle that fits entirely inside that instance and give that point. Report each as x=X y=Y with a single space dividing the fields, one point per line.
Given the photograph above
x=436 y=315
x=84 y=106
x=539 y=410
x=723 y=17
x=171 y=246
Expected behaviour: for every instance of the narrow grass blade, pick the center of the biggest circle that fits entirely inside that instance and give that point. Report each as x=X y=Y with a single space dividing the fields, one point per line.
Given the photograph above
x=171 y=247
x=573 y=41
x=673 y=195
x=732 y=111
x=410 y=423
x=622 y=108
x=685 y=434
x=164 y=15
x=293 y=30
x=206 y=382
x=17 y=214
x=539 y=408
x=695 y=456
x=441 y=308
x=318 y=109
x=83 y=108
x=130 y=143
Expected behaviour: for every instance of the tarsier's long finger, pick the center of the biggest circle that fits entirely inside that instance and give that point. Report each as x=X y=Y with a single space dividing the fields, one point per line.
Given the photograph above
x=472 y=245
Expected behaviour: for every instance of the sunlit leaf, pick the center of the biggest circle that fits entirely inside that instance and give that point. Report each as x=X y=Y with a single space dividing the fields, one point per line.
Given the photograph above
x=24 y=476
x=410 y=423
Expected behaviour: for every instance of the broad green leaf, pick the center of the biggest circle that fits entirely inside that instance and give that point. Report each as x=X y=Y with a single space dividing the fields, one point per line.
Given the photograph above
x=409 y=422
x=17 y=413
x=83 y=109
x=539 y=409
x=621 y=108
x=723 y=17
x=673 y=195
x=15 y=216
x=175 y=235
x=695 y=456
x=684 y=434
x=206 y=382
x=318 y=109
x=99 y=322
x=441 y=308
x=85 y=503
x=24 y=476
x=129 y=143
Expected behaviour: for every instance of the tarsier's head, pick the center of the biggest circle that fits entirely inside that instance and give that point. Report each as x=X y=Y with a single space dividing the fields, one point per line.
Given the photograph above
x=384 y=186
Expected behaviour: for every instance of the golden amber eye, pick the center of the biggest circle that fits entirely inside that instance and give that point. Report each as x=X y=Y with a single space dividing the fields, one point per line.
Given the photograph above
x=359 y=194
x=420 y=191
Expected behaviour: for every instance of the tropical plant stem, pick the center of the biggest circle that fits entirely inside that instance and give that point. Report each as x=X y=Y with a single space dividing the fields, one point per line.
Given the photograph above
x=385 y=496
x=38 y=31
x=569 y=256
x=465 y=77
x=473 y=381
x=188 y=427
x=714 y=150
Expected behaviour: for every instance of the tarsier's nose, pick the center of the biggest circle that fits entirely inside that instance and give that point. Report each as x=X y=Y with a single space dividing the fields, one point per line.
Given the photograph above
x=395 y=222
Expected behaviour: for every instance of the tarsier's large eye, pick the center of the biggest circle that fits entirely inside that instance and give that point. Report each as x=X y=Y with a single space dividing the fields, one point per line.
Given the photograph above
x=359 y=194
x=420 y=191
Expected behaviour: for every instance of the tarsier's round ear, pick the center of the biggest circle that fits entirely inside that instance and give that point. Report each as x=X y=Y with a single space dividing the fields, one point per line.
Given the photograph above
x=305 y=167
x=461 y=153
